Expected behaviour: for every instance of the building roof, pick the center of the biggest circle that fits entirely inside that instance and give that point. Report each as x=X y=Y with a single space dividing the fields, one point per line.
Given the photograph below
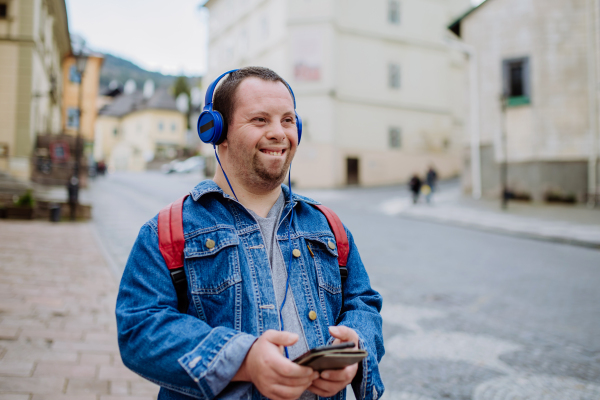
x=455 y=25
x=128 y=103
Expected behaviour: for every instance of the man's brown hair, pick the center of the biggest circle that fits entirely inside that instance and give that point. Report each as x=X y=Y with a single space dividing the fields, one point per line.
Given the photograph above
x=224 y=98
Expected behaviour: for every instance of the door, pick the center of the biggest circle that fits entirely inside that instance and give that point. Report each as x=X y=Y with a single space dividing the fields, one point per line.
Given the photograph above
x=352 y=171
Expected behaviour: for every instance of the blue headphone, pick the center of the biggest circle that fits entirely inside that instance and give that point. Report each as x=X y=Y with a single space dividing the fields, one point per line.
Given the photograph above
x=211 y=125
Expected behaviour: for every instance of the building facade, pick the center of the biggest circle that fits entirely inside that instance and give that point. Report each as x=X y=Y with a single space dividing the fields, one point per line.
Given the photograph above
x=81 y=91
x=540 y=57
x=34 y=39
x=138 y=127
x=376 y=83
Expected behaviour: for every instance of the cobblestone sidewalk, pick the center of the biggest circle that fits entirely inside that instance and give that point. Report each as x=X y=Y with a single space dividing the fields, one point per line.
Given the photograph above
x=57 y=325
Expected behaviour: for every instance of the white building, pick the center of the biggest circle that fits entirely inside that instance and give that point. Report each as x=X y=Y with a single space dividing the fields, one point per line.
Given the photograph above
x=543 y=56
x=377 y=86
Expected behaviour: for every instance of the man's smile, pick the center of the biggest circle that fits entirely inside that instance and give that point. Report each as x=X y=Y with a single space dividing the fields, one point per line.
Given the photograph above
x=273 y=152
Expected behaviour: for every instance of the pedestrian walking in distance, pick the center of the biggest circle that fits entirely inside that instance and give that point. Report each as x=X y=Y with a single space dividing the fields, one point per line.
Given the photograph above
x=431 y=180
x=415 y=187
x=227 y=286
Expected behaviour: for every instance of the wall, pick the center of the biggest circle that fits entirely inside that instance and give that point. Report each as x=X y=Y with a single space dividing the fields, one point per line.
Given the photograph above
x=343 y=54
x=90 y=88
x=137 y=136
x=553 y=35
x=36 y=40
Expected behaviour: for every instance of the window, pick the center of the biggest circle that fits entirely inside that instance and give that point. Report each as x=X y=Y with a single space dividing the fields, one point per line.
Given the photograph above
x=173 y=126
x=394 y=138
x=3 y=10
x=115 y=132
x=74 y=76
x=516 y=81
x=73 y=118
x=161 y=126
x=394 y=76
x=394 y=12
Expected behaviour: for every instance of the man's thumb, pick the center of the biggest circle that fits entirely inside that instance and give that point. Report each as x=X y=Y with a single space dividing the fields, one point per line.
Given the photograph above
x=281 y=338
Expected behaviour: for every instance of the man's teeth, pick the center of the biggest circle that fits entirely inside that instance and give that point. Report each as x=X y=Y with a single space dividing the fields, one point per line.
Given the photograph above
x=274 y=153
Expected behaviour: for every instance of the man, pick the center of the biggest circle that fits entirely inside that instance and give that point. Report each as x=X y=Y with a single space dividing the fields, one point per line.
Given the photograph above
x=238 y=240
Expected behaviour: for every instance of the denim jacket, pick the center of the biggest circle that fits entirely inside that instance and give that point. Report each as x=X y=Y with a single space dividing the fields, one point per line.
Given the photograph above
x=232 y=300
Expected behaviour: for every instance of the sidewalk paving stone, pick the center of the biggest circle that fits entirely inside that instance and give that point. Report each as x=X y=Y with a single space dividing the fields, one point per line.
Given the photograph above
x=57 y=326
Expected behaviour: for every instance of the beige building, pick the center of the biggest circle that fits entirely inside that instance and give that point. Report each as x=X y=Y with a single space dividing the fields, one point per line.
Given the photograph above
x=376 y=82
x=137 y=127
x=85 y=86
x=34 y=39
x=543 y=56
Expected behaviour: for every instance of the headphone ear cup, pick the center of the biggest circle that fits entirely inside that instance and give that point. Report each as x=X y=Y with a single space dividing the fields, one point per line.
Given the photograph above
x=299 y=126
x=222 y=129
x=210 y=127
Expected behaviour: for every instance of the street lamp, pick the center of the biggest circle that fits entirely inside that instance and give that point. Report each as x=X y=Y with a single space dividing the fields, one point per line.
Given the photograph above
x=80 y=63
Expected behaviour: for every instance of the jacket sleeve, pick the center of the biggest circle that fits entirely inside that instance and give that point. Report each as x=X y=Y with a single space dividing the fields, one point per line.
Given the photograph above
x=360 y=312
x=177 y=351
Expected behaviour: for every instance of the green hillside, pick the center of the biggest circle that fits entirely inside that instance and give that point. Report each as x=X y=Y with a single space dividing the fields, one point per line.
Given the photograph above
x=121 y=70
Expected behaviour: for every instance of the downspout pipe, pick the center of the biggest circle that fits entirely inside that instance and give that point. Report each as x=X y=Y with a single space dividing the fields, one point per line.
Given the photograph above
x=592 y=47
x=475 y=130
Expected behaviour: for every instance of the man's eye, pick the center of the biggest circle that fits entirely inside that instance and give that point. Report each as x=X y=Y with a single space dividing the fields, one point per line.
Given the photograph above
x=260 y=119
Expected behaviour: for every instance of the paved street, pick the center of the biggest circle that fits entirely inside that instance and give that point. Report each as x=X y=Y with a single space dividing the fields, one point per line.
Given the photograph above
x=467 y=314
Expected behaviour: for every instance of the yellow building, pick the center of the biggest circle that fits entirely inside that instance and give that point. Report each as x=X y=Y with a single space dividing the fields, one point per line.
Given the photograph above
x=136 y=127
x=34 y=39
x=86 y=86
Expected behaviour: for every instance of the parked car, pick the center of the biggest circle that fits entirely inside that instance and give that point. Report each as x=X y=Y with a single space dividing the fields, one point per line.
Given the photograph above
x=192 y=164
x=169 y=167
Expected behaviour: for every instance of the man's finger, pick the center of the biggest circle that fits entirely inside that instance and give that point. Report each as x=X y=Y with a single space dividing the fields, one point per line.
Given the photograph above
x=280 y=338
x=340 y=375
x=304 y=381
x=344 y=333
x=286 y=392
x=287 y=369
x=325 y=388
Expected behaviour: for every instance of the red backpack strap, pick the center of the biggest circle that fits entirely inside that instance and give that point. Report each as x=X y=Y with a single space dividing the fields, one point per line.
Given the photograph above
x=171 y=243
x=340 y=237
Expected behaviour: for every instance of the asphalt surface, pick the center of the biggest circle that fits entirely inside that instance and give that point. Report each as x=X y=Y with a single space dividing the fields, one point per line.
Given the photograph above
x=467 y=314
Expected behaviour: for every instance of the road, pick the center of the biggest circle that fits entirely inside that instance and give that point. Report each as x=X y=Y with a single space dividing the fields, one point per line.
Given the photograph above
x=467 y=314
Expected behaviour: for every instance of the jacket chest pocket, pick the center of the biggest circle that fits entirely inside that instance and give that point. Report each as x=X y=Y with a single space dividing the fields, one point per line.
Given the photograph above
x=324 y=250
x=213 y=266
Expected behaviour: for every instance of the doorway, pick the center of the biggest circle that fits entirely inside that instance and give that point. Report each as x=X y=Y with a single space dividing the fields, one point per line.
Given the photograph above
x=352 y=171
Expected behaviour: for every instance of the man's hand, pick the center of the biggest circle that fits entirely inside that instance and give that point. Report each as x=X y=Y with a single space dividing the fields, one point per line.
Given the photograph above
x=275 y=376
x=333 y=381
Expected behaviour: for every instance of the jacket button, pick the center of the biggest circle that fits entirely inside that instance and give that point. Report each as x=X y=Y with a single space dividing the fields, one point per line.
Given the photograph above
x=210 y=243
x=312 y=315
x=296 y=253
x=331 y=245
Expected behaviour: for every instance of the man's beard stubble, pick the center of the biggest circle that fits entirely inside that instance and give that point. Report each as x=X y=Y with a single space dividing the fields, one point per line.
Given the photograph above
x=271 y=179
x=256 y=174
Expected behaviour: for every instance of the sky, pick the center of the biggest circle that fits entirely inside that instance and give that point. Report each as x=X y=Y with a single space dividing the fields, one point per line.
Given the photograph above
x=158 y=35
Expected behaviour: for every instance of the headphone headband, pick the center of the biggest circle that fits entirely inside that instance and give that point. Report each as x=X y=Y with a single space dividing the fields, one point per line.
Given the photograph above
x=208 y=99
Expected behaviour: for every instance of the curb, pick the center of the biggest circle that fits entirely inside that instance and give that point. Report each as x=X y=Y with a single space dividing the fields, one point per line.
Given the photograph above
x=506 y=232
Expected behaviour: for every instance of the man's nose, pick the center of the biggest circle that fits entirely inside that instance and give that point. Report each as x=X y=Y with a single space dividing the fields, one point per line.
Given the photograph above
x=277 y=132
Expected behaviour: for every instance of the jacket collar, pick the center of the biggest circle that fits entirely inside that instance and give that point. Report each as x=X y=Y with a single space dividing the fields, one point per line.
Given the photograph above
x=209 y=186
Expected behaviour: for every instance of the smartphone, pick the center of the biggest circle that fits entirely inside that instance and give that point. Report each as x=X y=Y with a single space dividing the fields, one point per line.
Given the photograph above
x=336 y=356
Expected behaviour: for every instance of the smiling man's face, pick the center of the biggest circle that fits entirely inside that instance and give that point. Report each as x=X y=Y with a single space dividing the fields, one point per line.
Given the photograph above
x=262 y=137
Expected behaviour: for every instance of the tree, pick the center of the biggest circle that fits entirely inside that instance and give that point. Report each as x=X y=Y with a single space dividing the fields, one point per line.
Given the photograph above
x=181 y=85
